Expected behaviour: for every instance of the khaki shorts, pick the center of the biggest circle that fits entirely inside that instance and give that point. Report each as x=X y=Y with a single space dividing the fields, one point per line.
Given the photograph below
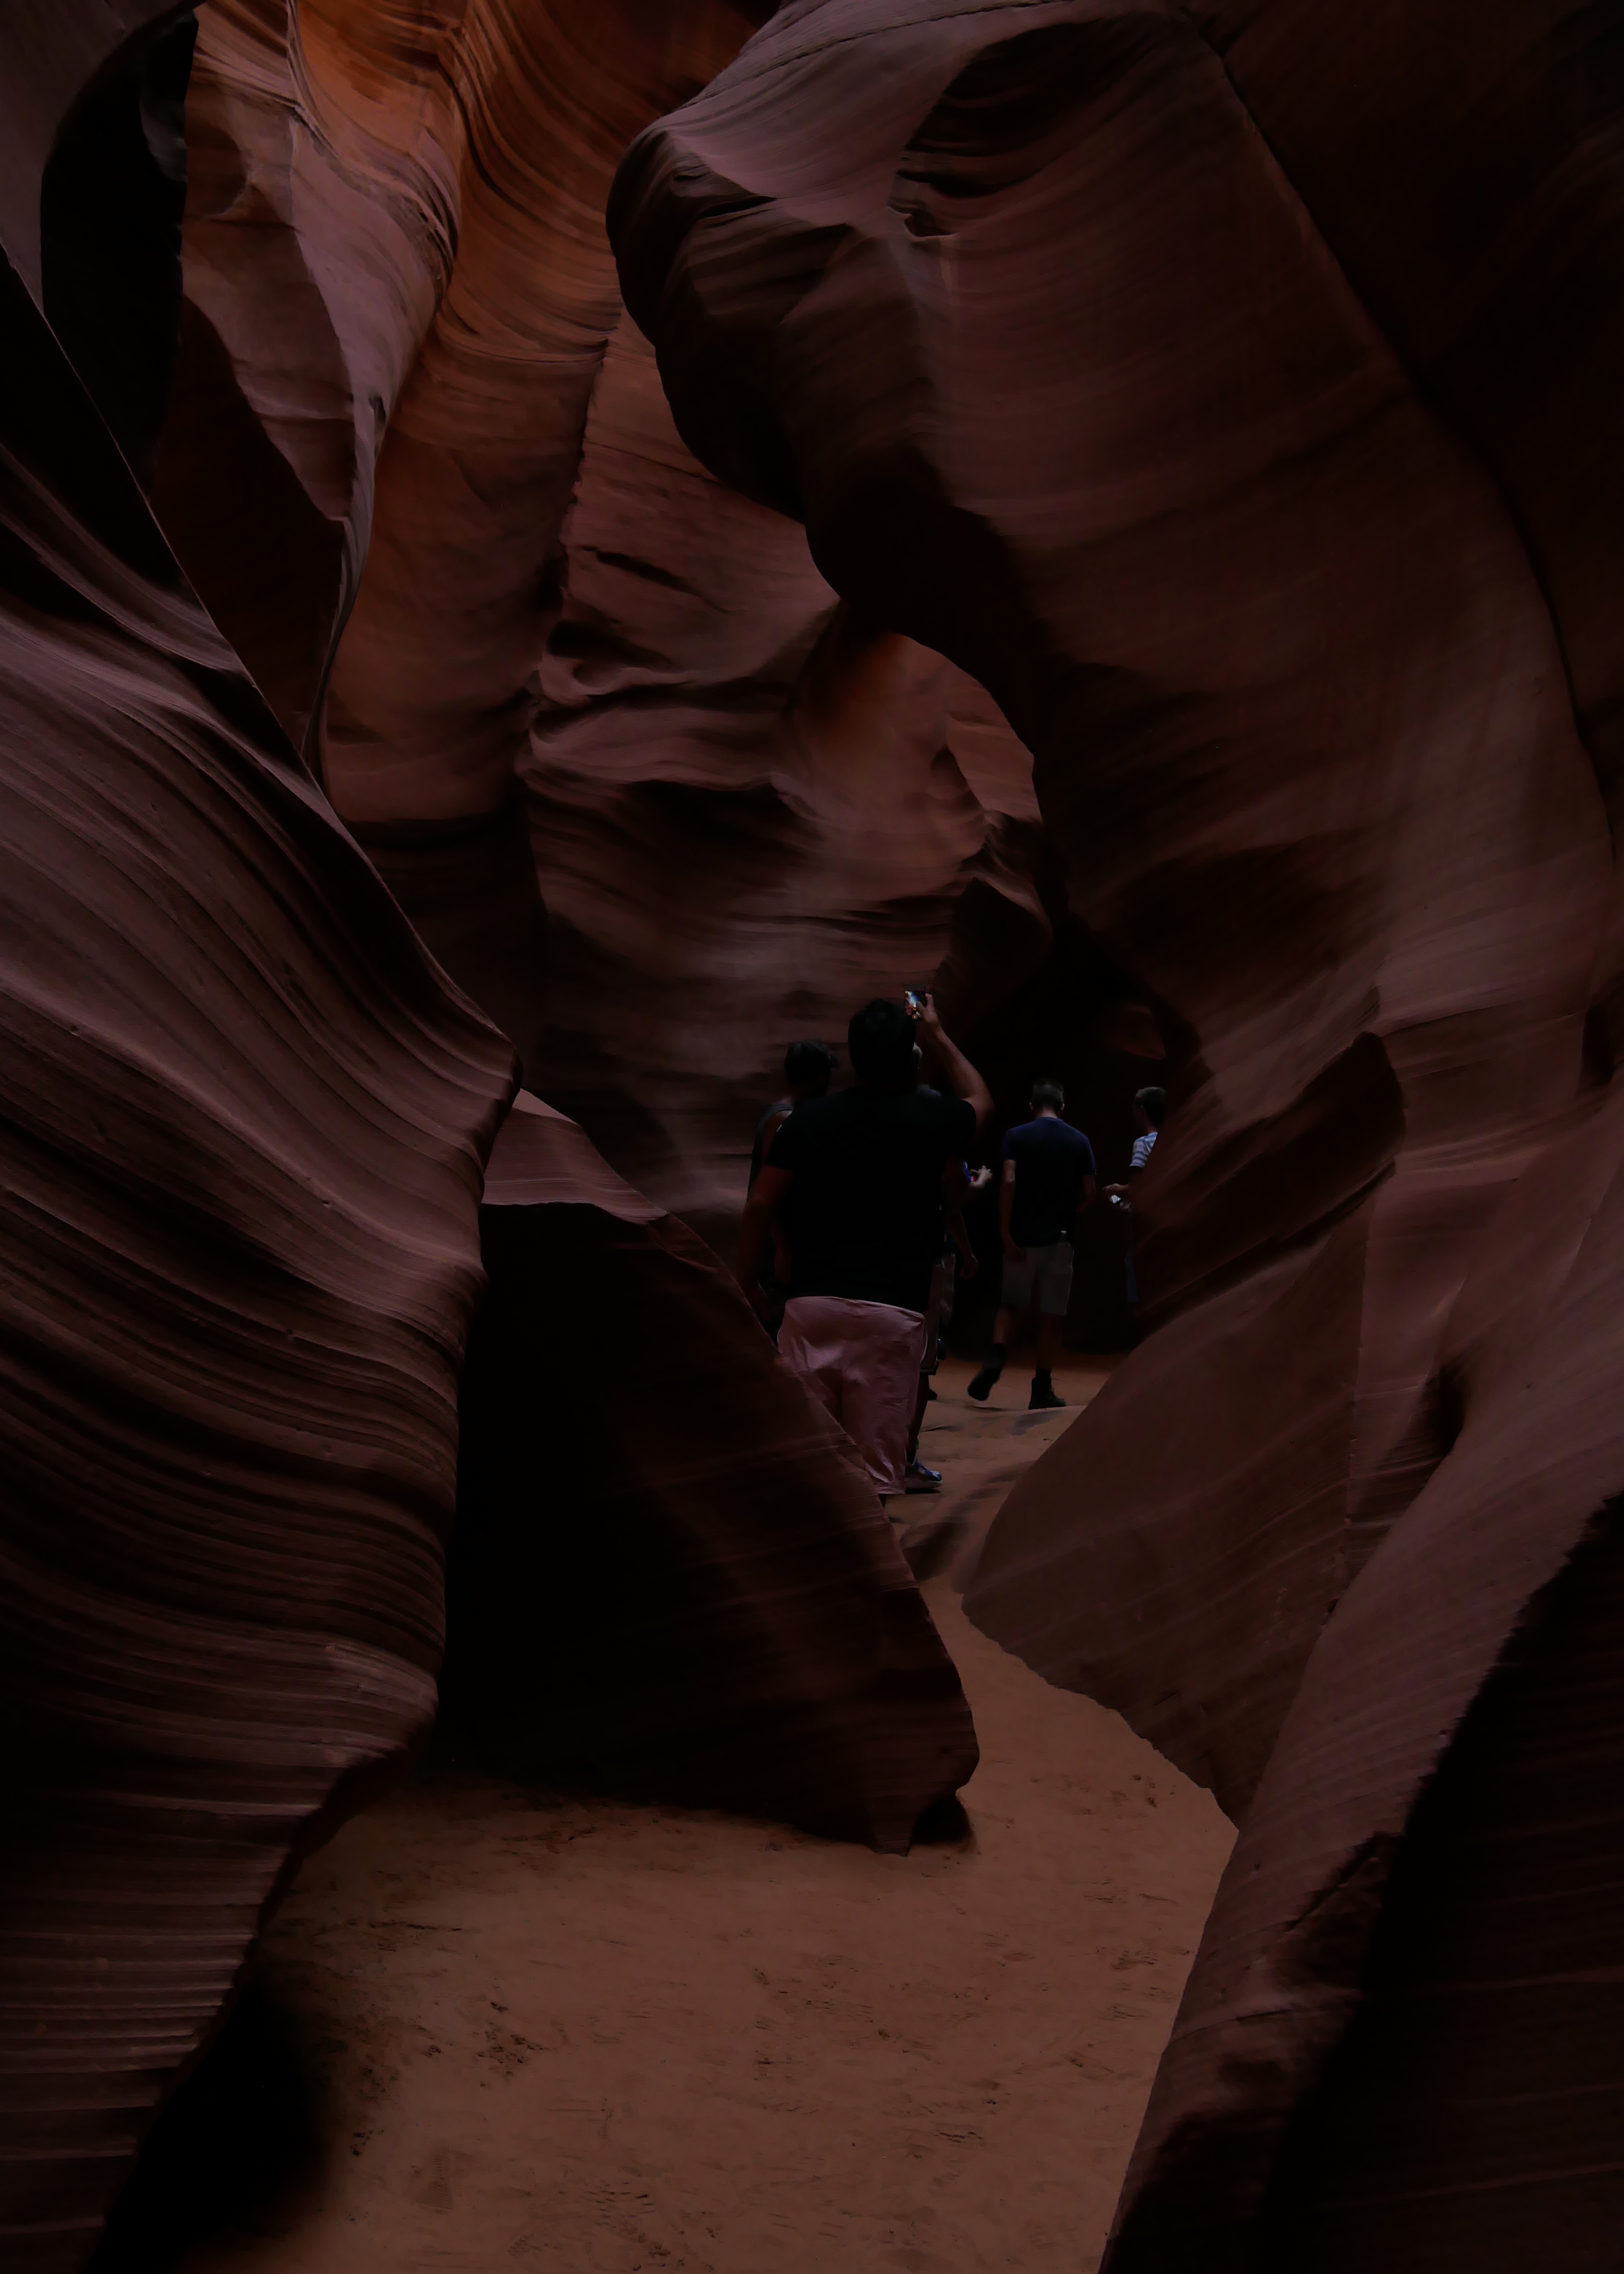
x=1042 y=1277
x=860 y=1361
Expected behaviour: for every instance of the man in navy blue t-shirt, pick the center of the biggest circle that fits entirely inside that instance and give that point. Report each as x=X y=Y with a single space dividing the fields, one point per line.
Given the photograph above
x=1048 y=1176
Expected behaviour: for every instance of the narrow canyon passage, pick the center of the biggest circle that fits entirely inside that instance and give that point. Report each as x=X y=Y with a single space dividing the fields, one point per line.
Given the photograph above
x=561 y=572
x=574 y=2035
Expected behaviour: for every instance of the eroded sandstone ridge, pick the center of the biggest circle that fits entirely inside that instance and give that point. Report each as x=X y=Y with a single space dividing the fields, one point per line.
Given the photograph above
x=653 y=796
x=245 y=1115
x=242 y=1129
x=1230 y=391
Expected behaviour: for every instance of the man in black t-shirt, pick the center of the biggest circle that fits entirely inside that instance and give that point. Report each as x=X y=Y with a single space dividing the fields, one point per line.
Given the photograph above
x=1048 y=1175
x=860 y=1179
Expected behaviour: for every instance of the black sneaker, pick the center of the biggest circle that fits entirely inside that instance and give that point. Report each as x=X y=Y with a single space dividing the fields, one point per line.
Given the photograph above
x=981 y=1386
x=1043 y=1399
x=920 y=1478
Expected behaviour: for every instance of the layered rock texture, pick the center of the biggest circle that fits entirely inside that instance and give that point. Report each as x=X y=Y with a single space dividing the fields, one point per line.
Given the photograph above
x=653 y=796
x=1126 y=515
x=242 y=1128
x=247 y=1114
x=751 y=808
x=397 y=294
x=1229 y=391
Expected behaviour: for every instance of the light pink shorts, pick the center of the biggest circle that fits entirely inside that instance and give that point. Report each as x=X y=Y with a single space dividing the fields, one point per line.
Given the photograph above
x=861 y=1362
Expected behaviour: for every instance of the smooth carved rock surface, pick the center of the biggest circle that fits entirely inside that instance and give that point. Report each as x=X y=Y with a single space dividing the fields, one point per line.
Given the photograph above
x=242 y=1128
x=1240 y=610
x=750 y=810
x=1230 y=393
x=1412 y=1960
x=397 y=293
x=669 y=1573
x=747 y=809
x=1089 y=356
x=246 y=1125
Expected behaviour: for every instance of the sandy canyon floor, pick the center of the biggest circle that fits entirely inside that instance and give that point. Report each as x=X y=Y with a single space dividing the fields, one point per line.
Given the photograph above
x=562 y=2037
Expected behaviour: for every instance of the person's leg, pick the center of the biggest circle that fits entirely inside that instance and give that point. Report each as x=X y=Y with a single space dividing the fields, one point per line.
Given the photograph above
x=1016 y=1294
x=997 y=1352
x=1054 y=1295
x=918 y=1422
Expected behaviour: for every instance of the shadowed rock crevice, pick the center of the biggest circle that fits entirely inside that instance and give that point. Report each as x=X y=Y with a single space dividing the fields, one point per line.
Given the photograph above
x=110 y=203
x=619 y=1611
x=470 y=890
x=242 y=2134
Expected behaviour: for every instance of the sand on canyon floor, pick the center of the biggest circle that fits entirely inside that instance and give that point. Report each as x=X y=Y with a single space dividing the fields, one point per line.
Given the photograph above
x=559 y=2036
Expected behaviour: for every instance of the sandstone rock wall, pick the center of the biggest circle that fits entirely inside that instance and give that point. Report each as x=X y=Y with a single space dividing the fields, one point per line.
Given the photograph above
x=243 y=1126
x=751 y=808
x=748 y=809
x=1226 y=392
x=397 y=294
x=1265 y=502
x=246 y=1116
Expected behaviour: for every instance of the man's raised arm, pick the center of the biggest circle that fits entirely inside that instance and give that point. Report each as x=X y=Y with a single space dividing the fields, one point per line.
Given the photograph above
x=962 y=1077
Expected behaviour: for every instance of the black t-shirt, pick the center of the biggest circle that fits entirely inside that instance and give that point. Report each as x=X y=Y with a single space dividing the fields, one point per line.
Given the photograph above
x=1051 y=1159
x=864 y=1214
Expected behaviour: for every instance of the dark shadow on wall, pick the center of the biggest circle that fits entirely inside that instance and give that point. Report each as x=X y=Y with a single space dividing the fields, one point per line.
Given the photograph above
x=469 y=885
x=530 y=1575
x=111 y=199
x=240 y=2138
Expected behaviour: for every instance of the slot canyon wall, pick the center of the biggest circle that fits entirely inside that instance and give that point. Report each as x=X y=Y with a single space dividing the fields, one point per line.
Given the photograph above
x=244 y=1124
x=1220 y=401
x=653 y=796
x=253 y=1261
x=1230 y=390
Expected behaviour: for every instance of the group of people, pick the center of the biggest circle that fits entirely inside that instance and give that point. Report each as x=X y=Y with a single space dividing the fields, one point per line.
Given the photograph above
x=854 y=1224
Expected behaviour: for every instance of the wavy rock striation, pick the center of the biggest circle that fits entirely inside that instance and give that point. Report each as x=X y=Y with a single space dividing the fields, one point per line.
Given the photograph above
x=242 y=1128
x=245 y=1115
x=652 y=795
x=397 y=294
x=669 y=1574
x=1399 y=2044
x=750 y=810
x=1090 y=356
